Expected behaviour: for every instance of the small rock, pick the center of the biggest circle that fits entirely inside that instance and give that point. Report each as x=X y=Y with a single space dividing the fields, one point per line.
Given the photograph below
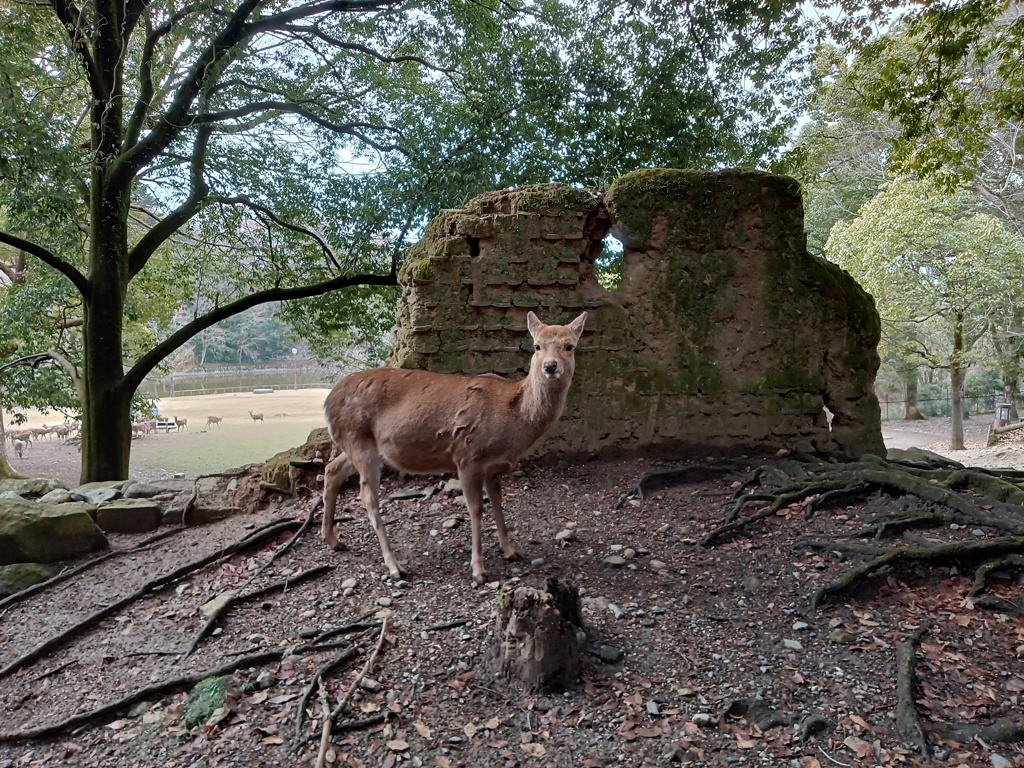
x=609 y=654
x=629 y=553
x=384 y=602
x=979 y=533
x=657 y=610
x=307 y=632
x=140 y=708
x=652 y=708
x=451 y=522
x=616 y=561
x=687 y=693
x=453 y=486
x=751 y=583
x=350 y=583
x=841 y=636
x=537 y=561
x=617 y=612
x=565 y=535
x=998 y=761
x=954 y=527
x=658 y=565
x=211 y=607
x=616 y=547
x=264 y=679
x=702 y=719
x=793 y=645
x=782 y=453
x=799 y=626
x=369 y=684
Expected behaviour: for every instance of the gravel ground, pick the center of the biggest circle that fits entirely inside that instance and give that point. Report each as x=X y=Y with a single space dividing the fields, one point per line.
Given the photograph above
x=696 y=628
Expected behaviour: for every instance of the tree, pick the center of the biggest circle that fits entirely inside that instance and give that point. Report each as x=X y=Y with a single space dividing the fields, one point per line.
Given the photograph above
x=298 y=145
x=937 y=270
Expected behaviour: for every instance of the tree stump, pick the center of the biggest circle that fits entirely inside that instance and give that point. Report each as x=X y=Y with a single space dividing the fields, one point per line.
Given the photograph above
x=539 y=636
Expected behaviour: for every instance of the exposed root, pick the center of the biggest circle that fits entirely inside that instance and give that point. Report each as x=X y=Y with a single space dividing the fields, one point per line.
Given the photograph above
x=941 y=553
x=253 y=539
x=981 y=575
x=316 y=682
x=690 y=473
x=241 y=597
x=907 y=720
x=194 y=496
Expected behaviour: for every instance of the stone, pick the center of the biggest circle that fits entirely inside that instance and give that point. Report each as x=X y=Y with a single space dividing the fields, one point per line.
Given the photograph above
x=452 y=486
x=141 y=491
x=616 y=561
x=15 y=578
x=658 y=565
x=793 y=645
x=56 y=496
x=998 y=761
x=211 y=607
x=129 y=516
x=350 y=583
x=31 y=532
x=799 y=626
x=565 y=535
x=451 y=522
x=609 y=654
x=96 y=496
x=703 y=719
x=405 y=493
x=32 y=487
x=841 y=636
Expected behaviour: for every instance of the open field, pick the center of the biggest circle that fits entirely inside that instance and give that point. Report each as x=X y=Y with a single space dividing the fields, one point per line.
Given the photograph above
x=288 y=417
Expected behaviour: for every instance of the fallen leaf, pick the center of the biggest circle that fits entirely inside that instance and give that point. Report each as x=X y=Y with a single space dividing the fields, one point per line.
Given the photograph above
x=398 y=745
x=260 y=696
x=117 y=725
x=275 y=740
x=857 y=719
x=743 y=743
x=492 y=723
x=283 y=698
x=534 y=750
x=470 y=730
x=422 y=729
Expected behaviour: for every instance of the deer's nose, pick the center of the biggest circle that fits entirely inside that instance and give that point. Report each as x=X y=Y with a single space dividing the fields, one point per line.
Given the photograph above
x=551 y=367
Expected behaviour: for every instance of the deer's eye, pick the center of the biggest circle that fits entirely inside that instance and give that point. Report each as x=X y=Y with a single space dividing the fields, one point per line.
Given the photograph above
x=570 y=348
x=536 y=347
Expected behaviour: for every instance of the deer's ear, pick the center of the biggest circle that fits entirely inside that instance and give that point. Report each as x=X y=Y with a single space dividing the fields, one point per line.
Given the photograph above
x=533 y=324
x=577 y=325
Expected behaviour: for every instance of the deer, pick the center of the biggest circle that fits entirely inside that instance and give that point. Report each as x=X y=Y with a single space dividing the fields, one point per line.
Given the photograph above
x=180 y=424
x=256 y=417
x=422 y=422
x=19 y=448
x=211 y=420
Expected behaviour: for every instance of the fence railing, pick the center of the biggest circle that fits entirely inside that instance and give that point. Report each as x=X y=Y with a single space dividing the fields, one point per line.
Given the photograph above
x=942 y=406
x=230 y=390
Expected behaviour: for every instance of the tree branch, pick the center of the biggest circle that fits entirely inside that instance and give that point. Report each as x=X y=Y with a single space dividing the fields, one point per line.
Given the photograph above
x=347 y=46
x=133 y=378
x=49 y=259
x=51 y=354
x=71 y=19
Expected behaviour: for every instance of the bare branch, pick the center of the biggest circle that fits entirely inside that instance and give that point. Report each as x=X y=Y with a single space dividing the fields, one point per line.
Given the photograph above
x=349 y=46
x=71 y=19
x=133 y=378
x=50 y=259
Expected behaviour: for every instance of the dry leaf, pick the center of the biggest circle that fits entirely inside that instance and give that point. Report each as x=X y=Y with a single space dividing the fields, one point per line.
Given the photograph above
x=743 y=743
x=260 y=696
x=398 y=745
x=470 y=730
x=534 y=750
x=422 y=729
x=495 y=722
x=117 y=725
x=809 y=761
x=858 y=720
x=272 y=740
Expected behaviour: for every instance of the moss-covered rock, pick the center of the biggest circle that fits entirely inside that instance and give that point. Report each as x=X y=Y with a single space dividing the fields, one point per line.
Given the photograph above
x=208 y=698
x=20 y=576
x=32 y=487
x=31 y=532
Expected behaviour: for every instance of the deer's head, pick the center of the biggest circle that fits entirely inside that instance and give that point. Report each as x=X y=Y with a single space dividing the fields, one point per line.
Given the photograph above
x=554 y=347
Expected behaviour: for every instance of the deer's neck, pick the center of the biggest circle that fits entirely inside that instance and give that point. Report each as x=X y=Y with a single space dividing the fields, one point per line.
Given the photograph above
x=542 y=401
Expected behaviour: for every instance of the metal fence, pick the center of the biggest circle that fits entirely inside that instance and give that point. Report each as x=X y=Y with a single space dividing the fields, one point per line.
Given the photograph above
x=228 y=390
x=942 y=406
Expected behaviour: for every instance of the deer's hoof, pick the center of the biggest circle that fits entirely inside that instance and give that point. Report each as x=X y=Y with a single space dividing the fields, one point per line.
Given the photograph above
x=336 y=545
x=512 y=556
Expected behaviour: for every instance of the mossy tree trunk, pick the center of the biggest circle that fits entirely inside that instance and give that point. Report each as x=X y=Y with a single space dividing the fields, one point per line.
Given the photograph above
x=912 y=412
x=956 y=382
x=6 y=470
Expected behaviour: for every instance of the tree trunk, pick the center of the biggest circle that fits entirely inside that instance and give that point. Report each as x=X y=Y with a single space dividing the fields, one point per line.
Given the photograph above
x=7 y=472
x=537 y=636
x=956 y=380
x=1010 y=385
x=912 y=412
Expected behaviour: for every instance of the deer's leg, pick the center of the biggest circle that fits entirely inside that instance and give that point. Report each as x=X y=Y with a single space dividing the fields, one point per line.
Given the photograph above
x=492 y=484
x=369 y=491
x=473 y=490
x=335 y=474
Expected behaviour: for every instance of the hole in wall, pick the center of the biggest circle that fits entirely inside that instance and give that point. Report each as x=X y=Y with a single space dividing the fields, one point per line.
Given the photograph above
x=474 y=247
x=608 y=266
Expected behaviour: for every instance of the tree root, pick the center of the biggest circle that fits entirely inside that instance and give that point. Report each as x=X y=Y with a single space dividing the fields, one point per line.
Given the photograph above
x=240 y=597
x=63 y=576
x=984 y=571
x=908 y=723
x=194 y=497
x=942 y=553
x=691 y=473
x=253 y=539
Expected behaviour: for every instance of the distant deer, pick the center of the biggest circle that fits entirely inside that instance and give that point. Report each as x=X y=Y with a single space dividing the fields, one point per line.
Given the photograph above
x=256 y=417
x=180 y=424
x=211 y=420
x=19 y=447
x=424 y=422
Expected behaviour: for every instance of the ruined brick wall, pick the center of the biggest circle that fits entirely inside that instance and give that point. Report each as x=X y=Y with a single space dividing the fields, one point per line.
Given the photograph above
x=724 y=334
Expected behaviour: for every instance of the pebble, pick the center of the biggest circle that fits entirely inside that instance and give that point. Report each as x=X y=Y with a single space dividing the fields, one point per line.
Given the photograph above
x=349 y=583
x=264 y=679
x=610 y=654
x=954 y=527
x=369 y=684
x=307 y=632
x=652 y=708
x=793 y=645
x=658 y=565
x=998 y=761
x=566 y=535
x=979 y=533
x=616 y=561
x=537 y=561
x=451 y=522
x=657 y=610
x=617 y=612
x=384 y=602
x=841 y=636
x=629 y=553
x=799 y=626
x=616 y=547
x=703 y=719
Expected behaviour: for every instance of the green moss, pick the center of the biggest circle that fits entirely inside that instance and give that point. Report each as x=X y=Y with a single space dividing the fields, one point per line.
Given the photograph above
x=552 y=199
x=206 y=698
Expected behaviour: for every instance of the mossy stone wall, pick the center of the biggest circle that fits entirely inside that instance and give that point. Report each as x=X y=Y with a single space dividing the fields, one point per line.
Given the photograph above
x=723 y=336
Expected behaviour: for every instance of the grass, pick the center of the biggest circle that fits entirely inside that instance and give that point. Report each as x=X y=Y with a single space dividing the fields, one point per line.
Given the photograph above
x=288 y=418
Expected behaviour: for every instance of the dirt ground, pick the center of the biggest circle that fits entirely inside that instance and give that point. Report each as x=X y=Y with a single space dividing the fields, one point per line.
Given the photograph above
x=698 y=628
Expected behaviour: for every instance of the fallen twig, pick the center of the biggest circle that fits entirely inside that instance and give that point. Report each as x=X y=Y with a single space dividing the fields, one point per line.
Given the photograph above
x=343 y=704
x=326 y=669
x=191 y=502
x=907 y=720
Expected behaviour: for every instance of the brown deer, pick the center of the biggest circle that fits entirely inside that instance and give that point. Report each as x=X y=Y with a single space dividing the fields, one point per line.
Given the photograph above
x=19 y=448
x=211 y=420
x=256 y=417
x=429 y=423
x=180 y=424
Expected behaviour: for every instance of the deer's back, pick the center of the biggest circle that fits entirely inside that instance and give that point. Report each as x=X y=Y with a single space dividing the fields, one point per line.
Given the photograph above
x=421 y=421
